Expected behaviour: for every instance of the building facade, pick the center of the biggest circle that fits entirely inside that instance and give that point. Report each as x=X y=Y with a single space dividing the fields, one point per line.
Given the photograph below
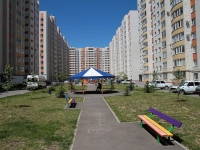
x=168 y=38
x=54 y=49
x=124 y=48
x=19 y=33
x=89 y=57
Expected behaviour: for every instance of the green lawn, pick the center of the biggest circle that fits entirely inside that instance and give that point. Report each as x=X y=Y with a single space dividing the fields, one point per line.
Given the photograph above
x=36 y=120
x=186 y=110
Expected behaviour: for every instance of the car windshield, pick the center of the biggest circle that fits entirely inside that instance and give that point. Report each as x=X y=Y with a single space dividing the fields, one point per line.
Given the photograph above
x=182 y=83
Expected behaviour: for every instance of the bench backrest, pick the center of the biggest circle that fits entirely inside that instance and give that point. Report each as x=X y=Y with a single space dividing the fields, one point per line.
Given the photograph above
x=165 y=117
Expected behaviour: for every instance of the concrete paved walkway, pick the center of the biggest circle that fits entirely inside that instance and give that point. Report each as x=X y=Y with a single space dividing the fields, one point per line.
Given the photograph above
x=99 y=129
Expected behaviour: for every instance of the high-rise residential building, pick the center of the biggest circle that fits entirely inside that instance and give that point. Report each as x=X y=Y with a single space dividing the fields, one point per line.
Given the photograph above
x=31 y=36
x=168 y=38
x=73 y=60
x=124 y=48
x=15 y=35
x=89 y=57
x=54 y=49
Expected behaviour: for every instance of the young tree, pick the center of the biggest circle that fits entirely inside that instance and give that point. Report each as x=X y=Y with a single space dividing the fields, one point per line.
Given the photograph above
x=155 y=75
x=61 y=77
x=178 y=78
x=7 y=74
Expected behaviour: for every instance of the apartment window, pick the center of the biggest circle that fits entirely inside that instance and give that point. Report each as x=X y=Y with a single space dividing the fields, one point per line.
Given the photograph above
x=163 y=24
x=41 y=24
x=193 y=21
x=158 y=31
x=174 y=2
x=162 y=4
x=164 y=34
x=158 y=40
x=26 y=55
x=177 y=12
x=155 y=34
x=164 y=55
x=193 y=8
x=177 y=25
x=164 y=44
x=178 y=50
x=195 y=76
x=26 y=24
x=195 y=63
x=157 y=13
x=155 y=42
x=162 y=14
x=159 y=59
x=158 y=22
x=155 y=51
x=179 y=62
x=160 y=68
x=178 y=37
x=154 y=25
x=156 y=60
x=194 y=35
x=157 y=4
x=194 y=49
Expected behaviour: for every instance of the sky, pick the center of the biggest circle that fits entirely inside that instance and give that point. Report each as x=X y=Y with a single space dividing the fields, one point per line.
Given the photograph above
x=86 y=23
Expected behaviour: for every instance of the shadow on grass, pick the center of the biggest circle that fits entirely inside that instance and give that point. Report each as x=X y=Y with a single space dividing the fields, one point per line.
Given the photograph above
x=181 y=100
x=96 y=92
x=37 y=97
x=163 y=141
x=21 y=106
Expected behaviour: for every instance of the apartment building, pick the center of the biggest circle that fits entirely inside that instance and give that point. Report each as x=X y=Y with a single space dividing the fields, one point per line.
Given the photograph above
x=168 y=38
x=124 y=48
x=54 y=49
x=73 y=60
x=83 y=58
x=19 y=33
x=31 y=36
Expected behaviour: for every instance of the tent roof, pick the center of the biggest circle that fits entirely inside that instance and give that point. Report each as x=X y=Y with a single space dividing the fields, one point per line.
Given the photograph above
x=91 y=73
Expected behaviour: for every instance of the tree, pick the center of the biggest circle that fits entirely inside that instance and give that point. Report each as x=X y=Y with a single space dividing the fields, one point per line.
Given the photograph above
x=178 y=78
x=61 y=77
x=7 y=74
x=155 y=75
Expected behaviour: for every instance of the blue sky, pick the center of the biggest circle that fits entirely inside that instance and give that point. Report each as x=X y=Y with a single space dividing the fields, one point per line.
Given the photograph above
x=88 y=22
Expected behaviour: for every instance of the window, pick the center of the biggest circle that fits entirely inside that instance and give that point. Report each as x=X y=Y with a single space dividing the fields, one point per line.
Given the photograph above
x=193 y=21
x=162 y=14
x=177 y=25
x=174 y=2
x=178 y=50
x=177 y=12
x=162 y=4
x=158 y=22
x=165 y=65
x=164 y=44
x=159 y=59
x=157 y=13
x=164 y=54
x=194 y=49
x=195 y=77
x=158 y=40
x=160 y=68
x=195 y=63
x=163 y=24
x=179 y=62
x=193 y=8
x=164 y=34
x=178 y=37
x=157 y=4
x=194 y=35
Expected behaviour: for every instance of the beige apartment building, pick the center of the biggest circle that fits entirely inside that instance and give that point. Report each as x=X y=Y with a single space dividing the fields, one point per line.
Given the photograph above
x=54 y=49
x=18 y=34
x=169 y=38
x=83 y=58
x=124 y=48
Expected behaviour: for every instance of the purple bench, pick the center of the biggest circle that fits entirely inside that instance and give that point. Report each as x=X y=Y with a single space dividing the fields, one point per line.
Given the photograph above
x=160 y=131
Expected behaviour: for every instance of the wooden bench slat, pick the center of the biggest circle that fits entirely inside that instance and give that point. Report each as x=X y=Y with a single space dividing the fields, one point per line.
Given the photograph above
x=165 y=117
x=152 y=126
x=169 y=134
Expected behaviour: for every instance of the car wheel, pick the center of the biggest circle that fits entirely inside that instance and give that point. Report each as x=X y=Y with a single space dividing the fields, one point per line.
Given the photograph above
x=166 y=88
x=182 y=92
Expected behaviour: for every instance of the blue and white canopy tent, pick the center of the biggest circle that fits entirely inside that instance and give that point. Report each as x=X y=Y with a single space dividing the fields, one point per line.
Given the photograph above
x=91 y=73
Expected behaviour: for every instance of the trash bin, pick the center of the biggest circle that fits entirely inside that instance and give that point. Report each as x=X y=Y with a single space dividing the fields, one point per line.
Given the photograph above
x=49 y=91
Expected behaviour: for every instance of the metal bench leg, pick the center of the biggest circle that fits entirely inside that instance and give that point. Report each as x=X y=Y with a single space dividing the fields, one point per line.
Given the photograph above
x=141 y=123
x=158 y=139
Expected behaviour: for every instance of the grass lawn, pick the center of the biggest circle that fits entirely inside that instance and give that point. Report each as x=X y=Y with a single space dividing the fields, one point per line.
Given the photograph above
x=186 y=110
x=36 y=120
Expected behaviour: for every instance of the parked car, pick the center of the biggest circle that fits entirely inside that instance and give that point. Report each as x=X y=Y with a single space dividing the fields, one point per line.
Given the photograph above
x=160 y=84
x=188 y=87
x=173 y=88
x=55 y=83
x=127 y=82
x=197 y=90
x=66 y=82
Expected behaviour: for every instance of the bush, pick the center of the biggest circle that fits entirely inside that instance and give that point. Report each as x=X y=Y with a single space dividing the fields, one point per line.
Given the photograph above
x=126 y=91
x=148 y=88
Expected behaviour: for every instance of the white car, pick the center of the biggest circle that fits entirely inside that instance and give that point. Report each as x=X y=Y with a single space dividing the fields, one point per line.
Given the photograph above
x=188 y=87
x=66 y=82
x=127 y=82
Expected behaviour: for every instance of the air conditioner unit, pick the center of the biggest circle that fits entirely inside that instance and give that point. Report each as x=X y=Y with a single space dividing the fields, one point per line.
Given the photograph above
x=187 y=24
x=188 y=37
x=168 y=13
